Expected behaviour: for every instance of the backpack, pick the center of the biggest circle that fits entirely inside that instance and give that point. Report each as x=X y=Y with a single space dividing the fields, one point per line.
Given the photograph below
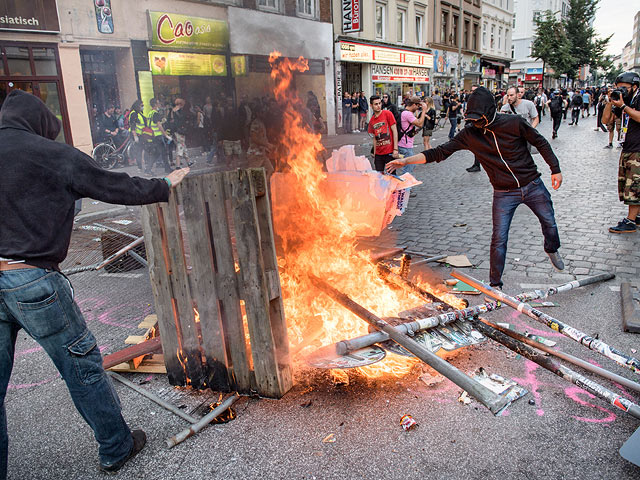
x=555 y=106
x=126 y=118
x=409 y=132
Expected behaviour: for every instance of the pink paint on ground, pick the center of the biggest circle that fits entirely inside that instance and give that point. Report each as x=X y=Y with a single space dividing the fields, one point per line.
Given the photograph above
x=21 y=386
x=574 y=392
x=520 y=323
x=531 y=383
x=28 y=351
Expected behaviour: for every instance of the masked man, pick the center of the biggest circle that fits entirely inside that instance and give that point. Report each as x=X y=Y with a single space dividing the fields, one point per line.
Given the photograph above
x=626 y=105
x=499 y=142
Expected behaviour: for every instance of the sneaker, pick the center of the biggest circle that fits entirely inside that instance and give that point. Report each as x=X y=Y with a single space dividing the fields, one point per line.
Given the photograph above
x=556 y=261
x=609 y=146
x=473 y=168
x=139 y=441
x=413 y=195
x=619 y=146
x=624 y=226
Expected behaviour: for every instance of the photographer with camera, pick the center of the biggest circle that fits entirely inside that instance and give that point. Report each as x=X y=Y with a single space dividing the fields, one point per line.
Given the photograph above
x=625 y=103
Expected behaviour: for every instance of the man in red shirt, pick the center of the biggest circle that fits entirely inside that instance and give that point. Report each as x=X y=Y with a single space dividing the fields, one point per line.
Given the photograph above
x=385 y=134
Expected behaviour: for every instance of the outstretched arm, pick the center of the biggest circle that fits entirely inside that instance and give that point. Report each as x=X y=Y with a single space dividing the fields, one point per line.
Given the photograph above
x=437 y=154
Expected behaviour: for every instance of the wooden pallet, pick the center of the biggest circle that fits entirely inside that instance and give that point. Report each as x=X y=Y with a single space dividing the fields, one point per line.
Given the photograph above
x=240 y=341
x=143 y=362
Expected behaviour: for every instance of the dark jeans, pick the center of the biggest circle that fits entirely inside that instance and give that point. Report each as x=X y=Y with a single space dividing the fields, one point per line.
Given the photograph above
x=454 y=126
x=156 y=153
x=557 y=120
x=346 y=120
x=535 y=196
x=136 y=152
x=41 y=302
x=381 y=160
x=575 y=115
x=539 y=109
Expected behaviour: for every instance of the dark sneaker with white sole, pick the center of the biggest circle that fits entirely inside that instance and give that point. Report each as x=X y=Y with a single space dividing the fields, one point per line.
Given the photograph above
x=624 y=226
x=139 y=441
x=556 y=261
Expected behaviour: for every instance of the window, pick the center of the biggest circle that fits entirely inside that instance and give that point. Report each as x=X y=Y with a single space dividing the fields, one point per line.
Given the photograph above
x=453 y=39
x=401 y=26
x=444 y=27
x=269 y=5
x=307 y=8
x=419 y=28
x=506 y=38
x=492 y=43
x=381 y=19
x=500 y=38
x=474 y=42
x=537 y=15
x=484 y=35
x=513 y=52
x=514 y=20
x=465 y=33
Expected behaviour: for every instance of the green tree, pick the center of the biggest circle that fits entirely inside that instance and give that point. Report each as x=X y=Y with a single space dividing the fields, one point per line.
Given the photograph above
x=612 y=72
x=551 y=44
x=586 y=47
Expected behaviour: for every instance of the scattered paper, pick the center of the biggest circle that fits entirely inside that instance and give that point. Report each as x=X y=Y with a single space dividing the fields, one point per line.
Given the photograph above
x=499 y=385
x=329 y=438
x=431 y=380
x=457 y=261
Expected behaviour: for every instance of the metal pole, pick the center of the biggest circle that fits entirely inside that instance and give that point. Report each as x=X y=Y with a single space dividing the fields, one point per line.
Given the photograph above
x=429 y=260
x=154 y=398
x=568 y=358
x=387 y=274
x=203 y=422
x=560 y=370
x=621 y=358
x=459 y=39
x=130 y=235
x=120 y=252
x=489 y=399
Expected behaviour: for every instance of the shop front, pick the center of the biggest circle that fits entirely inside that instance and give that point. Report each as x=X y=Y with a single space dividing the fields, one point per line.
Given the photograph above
x=397 y=72
x=533 y=78
x=444 y=70
x=471 y=72
x=493 y=74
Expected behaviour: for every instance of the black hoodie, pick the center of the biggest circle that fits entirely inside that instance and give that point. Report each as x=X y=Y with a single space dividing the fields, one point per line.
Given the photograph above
x=41 y=179
x=500 y=147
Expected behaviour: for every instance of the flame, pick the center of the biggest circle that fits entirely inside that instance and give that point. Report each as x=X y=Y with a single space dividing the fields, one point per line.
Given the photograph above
x=317 y=237
x=196 y=315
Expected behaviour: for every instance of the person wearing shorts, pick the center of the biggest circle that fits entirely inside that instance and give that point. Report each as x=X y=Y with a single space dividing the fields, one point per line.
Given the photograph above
x=617 y=123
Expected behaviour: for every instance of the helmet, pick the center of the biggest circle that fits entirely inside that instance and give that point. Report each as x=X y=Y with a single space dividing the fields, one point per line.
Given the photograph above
x=629 y=77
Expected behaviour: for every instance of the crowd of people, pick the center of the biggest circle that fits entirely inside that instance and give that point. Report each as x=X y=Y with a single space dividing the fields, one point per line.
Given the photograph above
x=223 y=128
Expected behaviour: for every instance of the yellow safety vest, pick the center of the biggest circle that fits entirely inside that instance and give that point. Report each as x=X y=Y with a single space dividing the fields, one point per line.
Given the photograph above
x=139 y=122
x=154 y=126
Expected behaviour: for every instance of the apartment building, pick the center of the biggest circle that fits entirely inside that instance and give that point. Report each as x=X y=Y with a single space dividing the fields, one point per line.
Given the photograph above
x=496 y=44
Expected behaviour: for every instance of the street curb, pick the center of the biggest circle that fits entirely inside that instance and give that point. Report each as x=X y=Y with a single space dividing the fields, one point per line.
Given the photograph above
x=89 y=217
x=630 y=309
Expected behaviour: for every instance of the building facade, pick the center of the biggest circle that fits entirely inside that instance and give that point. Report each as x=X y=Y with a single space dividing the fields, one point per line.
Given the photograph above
x=524 y=69
x=634 y=55
x=496 y=43
x=79 y=56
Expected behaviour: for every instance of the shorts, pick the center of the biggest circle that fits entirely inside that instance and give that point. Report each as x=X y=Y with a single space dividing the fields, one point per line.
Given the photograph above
x=381 y=160
x=617 y=122
x=232 y=147
x=363 y=114
x=629 y=178
x=427 y=133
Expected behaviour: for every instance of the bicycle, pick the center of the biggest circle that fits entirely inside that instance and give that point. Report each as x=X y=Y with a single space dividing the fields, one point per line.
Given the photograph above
x=107 y=155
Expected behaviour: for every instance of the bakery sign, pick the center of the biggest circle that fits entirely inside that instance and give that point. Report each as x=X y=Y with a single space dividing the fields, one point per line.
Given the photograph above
x=360 y=52
x=392 y=73
x=29 y=16
x=351 y=17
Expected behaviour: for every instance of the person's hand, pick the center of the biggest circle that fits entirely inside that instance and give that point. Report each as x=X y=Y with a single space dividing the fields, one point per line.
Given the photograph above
x=618 y=103
x=556 y=180
x=176 y=176
x=393 y=165
x=395 y=154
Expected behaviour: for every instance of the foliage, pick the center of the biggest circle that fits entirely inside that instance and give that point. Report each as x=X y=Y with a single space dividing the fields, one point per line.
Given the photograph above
x=586 y=47
x=551 y=44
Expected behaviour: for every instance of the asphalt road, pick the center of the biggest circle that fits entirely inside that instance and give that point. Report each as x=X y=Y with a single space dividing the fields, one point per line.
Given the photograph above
x=556 y=431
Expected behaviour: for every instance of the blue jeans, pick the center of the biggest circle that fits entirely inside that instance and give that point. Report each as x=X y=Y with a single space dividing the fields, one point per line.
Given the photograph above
x=407 y=152
x=41 y=302
x=454 y=127
x=535 y=196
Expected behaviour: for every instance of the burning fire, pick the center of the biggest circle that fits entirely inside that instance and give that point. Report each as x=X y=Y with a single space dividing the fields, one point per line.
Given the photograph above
x=318 y=237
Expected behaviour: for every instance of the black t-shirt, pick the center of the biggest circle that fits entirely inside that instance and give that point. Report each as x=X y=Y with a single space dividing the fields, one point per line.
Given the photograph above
x=429 y=124
x=632 y=138
x=453 y=113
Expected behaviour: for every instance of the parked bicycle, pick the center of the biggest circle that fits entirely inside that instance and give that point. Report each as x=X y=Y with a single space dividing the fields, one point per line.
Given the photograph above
x=108 y=155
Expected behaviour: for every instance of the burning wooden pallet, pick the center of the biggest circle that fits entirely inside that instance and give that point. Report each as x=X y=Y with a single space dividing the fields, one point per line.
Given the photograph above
x=217 y=295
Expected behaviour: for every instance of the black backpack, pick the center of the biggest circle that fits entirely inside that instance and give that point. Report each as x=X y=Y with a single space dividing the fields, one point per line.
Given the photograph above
x=409 y=132
x=555 y=106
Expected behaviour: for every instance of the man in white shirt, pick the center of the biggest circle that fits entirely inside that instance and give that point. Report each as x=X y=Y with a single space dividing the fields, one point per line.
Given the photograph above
x=519 y=106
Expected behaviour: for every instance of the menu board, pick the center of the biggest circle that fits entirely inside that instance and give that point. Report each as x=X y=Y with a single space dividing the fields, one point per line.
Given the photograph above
x=177 y=64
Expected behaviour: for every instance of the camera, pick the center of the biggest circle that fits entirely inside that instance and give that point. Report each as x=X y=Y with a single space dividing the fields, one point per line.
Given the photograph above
x=618 y=93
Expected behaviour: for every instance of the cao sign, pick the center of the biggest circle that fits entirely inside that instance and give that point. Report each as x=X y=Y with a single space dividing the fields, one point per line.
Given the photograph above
x=351 y=18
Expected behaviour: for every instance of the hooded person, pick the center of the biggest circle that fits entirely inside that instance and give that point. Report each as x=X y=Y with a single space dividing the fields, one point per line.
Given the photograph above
x=499 y=142
x=40 y=183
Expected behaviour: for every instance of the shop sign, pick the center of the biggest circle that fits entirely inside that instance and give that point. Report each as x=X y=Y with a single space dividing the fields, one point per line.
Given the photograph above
x=170 y=30
x=351 y=18
x=488 y=73
x=534 y=71
x=103 y=15
x=145 y=83
x=239 y=66
x=533 y=78
x=178 y=63
x=390 y=73
x=33 y=16
x=338 y=74
x=358 y=52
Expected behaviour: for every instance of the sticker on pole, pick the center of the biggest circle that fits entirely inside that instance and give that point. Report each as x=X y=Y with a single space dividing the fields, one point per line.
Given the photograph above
x=328 y=358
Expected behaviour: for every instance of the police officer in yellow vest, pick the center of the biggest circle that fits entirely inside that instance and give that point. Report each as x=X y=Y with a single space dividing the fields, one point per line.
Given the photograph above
x=154 y=150
x=137 y=122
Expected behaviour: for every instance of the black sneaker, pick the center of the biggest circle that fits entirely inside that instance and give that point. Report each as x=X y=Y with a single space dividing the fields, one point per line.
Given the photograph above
x=556 y=261
x=473 y=168
x=624 y=226
x=139 y=441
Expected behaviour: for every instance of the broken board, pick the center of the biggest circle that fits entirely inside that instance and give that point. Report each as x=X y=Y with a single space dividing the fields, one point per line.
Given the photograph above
x=326 y=358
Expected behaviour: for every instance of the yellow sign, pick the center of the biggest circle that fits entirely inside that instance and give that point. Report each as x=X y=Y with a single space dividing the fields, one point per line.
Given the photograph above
x=238 y=66
x=145 y=81
x=177 y=64
x=360 y=52
x=175 y=31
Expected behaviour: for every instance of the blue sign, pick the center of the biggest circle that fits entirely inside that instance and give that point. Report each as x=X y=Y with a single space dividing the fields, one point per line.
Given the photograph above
x=534 y=71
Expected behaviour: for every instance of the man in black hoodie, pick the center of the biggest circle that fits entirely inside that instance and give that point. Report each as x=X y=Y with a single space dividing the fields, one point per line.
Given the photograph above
x=40 y=182
x=499 y=142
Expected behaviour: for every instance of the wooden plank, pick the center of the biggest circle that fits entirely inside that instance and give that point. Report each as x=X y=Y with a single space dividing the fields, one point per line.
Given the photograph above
x=134 y=339
x=189 y=344
x=155 y=245
x=253 y=288
x=203 y=285
x=276 y=309
x=126 y=354
x=226 y=283
x=150 y=364
x=149 y=321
